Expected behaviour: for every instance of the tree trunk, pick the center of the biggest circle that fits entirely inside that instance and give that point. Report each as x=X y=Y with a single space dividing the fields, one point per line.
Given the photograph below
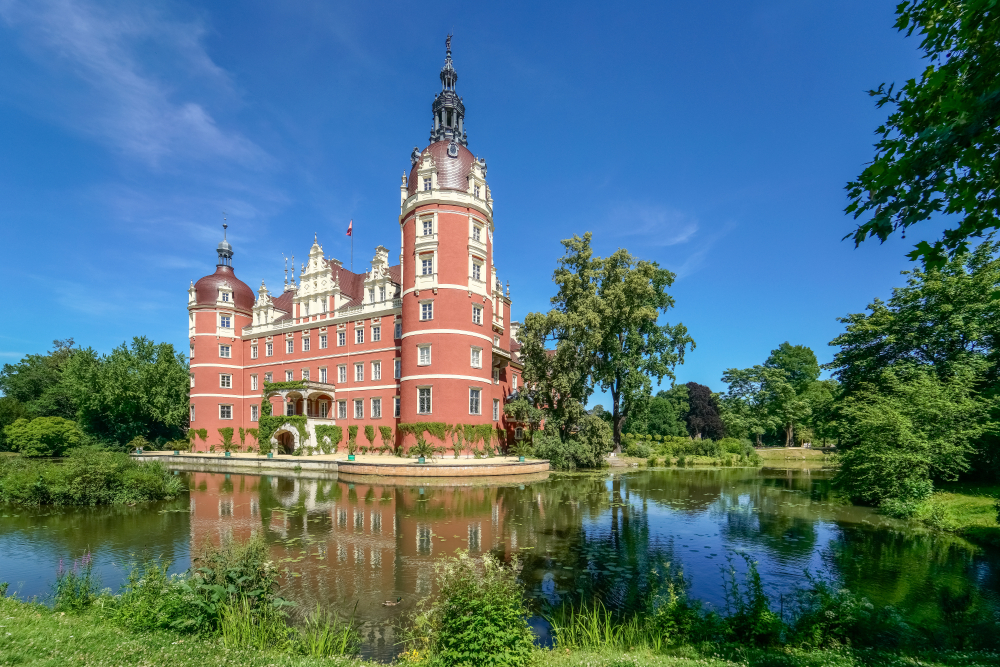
x=619 y=422
x=789 y=434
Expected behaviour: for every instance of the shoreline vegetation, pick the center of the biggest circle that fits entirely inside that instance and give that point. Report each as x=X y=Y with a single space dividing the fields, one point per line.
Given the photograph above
x=227 y=608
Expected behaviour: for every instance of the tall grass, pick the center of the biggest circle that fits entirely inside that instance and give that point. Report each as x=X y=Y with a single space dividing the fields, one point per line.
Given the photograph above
x=76 y=587
x=245 y=624
x=594 y=626
x=325 y=634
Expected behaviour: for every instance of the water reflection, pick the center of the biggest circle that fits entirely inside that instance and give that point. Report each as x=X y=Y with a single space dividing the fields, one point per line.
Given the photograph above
x=368 y=540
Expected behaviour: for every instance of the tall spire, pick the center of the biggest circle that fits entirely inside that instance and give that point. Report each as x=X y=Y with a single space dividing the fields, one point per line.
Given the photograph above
x=225 y=250
x=449 y=112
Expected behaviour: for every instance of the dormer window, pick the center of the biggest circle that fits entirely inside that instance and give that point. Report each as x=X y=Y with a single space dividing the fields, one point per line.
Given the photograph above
x=381 y=293
x=427 y=185
x=371 y=294
x=225 y=296
x=476 y=190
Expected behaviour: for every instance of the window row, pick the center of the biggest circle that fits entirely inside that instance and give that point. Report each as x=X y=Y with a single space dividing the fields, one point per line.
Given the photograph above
x=323 y=342
x=423 y=359
x=424 y=406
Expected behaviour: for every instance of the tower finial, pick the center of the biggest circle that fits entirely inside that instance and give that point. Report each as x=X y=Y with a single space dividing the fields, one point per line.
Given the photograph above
x=224 y=249
x=448 y=109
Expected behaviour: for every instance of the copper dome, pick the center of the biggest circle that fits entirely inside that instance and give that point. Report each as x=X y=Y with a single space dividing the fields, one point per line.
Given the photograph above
x=452 y=172
x=207 y=289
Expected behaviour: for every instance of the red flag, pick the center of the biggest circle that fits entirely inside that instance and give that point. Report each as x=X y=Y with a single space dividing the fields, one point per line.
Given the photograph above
x=350 y=227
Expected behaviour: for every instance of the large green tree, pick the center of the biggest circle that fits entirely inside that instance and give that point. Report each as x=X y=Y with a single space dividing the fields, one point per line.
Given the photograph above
x=605 y=329
x=36 y=382
x=756 y=401
x=939 y=149
x=138 y=389
x=799 y=363
x=944 y=318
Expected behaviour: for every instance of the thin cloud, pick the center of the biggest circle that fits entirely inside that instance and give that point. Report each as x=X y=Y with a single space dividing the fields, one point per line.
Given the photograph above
x=121 y=102
x=656 y=225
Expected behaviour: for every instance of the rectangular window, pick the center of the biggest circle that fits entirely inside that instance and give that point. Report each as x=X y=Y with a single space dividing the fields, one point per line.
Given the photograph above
x=477 y=271
x=289 y=346
x=225 y=296
x=427 y=185
x=341 y=374
x=289 y=409
x=427 y=310
x=496 y=409
x=426 y=266
x=477 y=357
x=269 y=349
x=359 y=372
x=381 y=293
x=395 y=407
x=225 y=351
x=267 y=377
x=424 y=355
x=322 y=341
x=359 y=335
x=399 y=330
x=192 y=413
x=341 y=409
x=476 y=193
x=225 y=321
x=192 y=351
x=341 y=338
x=289 y=376
x=376 y=334
x=424 y=400
x=376 y=408
x=253 y=351
x=254 y=412
x=225 y=412
x=428 y=227
x=305 y=373
x=371 y=295
x=192 y=379
x=496 y=376
x=376 y=370
x=253 y=383
x=477 y=231
x=477 y=314
x=359 y=408
x=474 y=401
x=396 y=368
x=513 y=381
x=305 y=344
x=322 y=375
x=323 y=410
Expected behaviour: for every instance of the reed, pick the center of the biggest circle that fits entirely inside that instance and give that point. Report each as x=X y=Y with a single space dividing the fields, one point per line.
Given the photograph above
x=596 y=627
x=243 y=624
x=324 y=634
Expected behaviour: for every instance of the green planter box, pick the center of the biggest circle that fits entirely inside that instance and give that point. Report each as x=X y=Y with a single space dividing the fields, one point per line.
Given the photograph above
x=227 y=453
x=421 y=460
x=521 y=459
x=350 y=457
x=177 y=452
x=270 y=455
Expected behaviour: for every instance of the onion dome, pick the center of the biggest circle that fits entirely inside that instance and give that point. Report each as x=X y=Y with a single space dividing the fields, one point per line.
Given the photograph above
x=209 y=290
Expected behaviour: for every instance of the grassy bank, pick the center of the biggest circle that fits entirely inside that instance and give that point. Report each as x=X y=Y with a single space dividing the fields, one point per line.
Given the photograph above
x=965 y=508
x=33 y=635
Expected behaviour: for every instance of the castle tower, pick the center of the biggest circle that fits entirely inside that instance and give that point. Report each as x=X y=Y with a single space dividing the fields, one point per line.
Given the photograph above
x=454 y=344
x=219 y=306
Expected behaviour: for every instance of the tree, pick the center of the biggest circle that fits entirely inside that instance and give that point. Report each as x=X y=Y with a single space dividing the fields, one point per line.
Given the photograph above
x=945 y=317
x=43 y=436
x=138 y=389
x=606 y=332
x=667 y=412
x=908 y=429
x=703 y=413
x=798 y=362
x=939 y=149
x=821 y=396
x=36 y=382
x=749 y=405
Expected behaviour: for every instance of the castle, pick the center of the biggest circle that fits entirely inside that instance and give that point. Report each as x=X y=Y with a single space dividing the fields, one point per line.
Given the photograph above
x=426 y=340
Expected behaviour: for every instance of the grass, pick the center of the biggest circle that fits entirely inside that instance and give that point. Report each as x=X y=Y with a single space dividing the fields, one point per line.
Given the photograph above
x=966 y=508
x=791 y=453
x=31 y=635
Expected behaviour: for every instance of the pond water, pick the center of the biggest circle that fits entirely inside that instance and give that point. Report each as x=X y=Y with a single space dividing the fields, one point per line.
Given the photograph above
x=342 y=541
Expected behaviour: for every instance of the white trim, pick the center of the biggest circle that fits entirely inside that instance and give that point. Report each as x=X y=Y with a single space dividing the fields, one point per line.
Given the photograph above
x=441 y=376
x=448 y=331
x=325 y=356
x=224 y=396
x=371 y=388
x=216 y=366
x=464 y=288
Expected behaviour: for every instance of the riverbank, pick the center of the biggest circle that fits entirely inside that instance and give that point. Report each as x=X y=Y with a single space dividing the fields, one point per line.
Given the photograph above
x=33 y=635
x=965 y=508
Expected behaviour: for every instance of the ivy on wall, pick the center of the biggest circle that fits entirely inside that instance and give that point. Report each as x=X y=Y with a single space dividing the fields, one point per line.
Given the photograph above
x=334 y=433
x=226 y=433
x=270 y=387
x=271 y=423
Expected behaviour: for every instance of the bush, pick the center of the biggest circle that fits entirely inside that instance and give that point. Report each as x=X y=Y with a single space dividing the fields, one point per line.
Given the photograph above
x=584 y=449
x=478 y=616
x=88 y=476
x=43 y=436
x=76 y=588
x=639 y=449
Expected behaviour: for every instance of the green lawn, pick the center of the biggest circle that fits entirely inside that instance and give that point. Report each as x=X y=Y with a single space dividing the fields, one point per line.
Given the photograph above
x=32 y=635
x=966 y=508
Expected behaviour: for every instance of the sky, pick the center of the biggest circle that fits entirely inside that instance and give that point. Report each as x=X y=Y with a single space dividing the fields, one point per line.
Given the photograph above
x=714 y=138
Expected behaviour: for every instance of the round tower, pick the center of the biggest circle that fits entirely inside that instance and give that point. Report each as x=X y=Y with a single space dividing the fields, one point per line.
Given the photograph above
x=449 y=345
x=219 y=306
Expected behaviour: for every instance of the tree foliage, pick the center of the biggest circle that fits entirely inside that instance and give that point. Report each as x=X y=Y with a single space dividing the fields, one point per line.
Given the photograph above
x=36 y=383
x=939 y=149
x=703 y=413
x=43 y=436
x=605 y=329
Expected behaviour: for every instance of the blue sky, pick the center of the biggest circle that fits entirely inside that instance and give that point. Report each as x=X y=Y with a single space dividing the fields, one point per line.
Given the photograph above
x=712 y=137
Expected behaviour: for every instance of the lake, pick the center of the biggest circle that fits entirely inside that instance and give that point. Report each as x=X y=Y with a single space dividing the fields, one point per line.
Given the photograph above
x=341 y=541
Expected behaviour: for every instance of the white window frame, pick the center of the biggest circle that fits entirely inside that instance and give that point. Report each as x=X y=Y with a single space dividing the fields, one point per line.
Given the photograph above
x=323 y=374
x=427 y=227
x=305 y=374
x=253 y=351
x=478 y=398
x=376 y=408
x=381 y=293
x=376 y=370
x=477 y=314
x=477 y=230
x=427 y=310
x=430 y=400
x=268 y=377
x=322 y=341
x=427 y=185
x=289 y=376
x=496 y=376
x=223 y=409
x=226 y=321
x=496 y=409
x=254 y=412
x=359 y=372
x=397 y=368
x=191 y=413
x=395 y=407
x=422 y=352
x=269 y=349
x=359 y=335
x=376 y=333
x=305 y=344
x=342 y=409
x=341 y=338
x=225 y=352
x=359 y=408
x=427 y=264
x=477 y=270
x=290 y=346
x=253 y=383
x=192 y=379
x=476 y=357
x=342 y=373
x=398 y=330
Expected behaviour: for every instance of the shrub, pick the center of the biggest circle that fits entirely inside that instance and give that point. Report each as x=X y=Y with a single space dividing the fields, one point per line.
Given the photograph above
x=43 y=436
x=478 y=617
x=639 y=449
x=749 y=616
x=76 y=588
x=226 y=434
x=138 y=442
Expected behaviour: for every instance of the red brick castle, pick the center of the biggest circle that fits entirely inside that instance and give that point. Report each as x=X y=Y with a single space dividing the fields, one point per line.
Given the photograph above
x=424 y=340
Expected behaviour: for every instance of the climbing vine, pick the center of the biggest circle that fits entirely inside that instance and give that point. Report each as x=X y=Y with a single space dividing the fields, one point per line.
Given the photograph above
x=334 y=433
x=271 y=423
